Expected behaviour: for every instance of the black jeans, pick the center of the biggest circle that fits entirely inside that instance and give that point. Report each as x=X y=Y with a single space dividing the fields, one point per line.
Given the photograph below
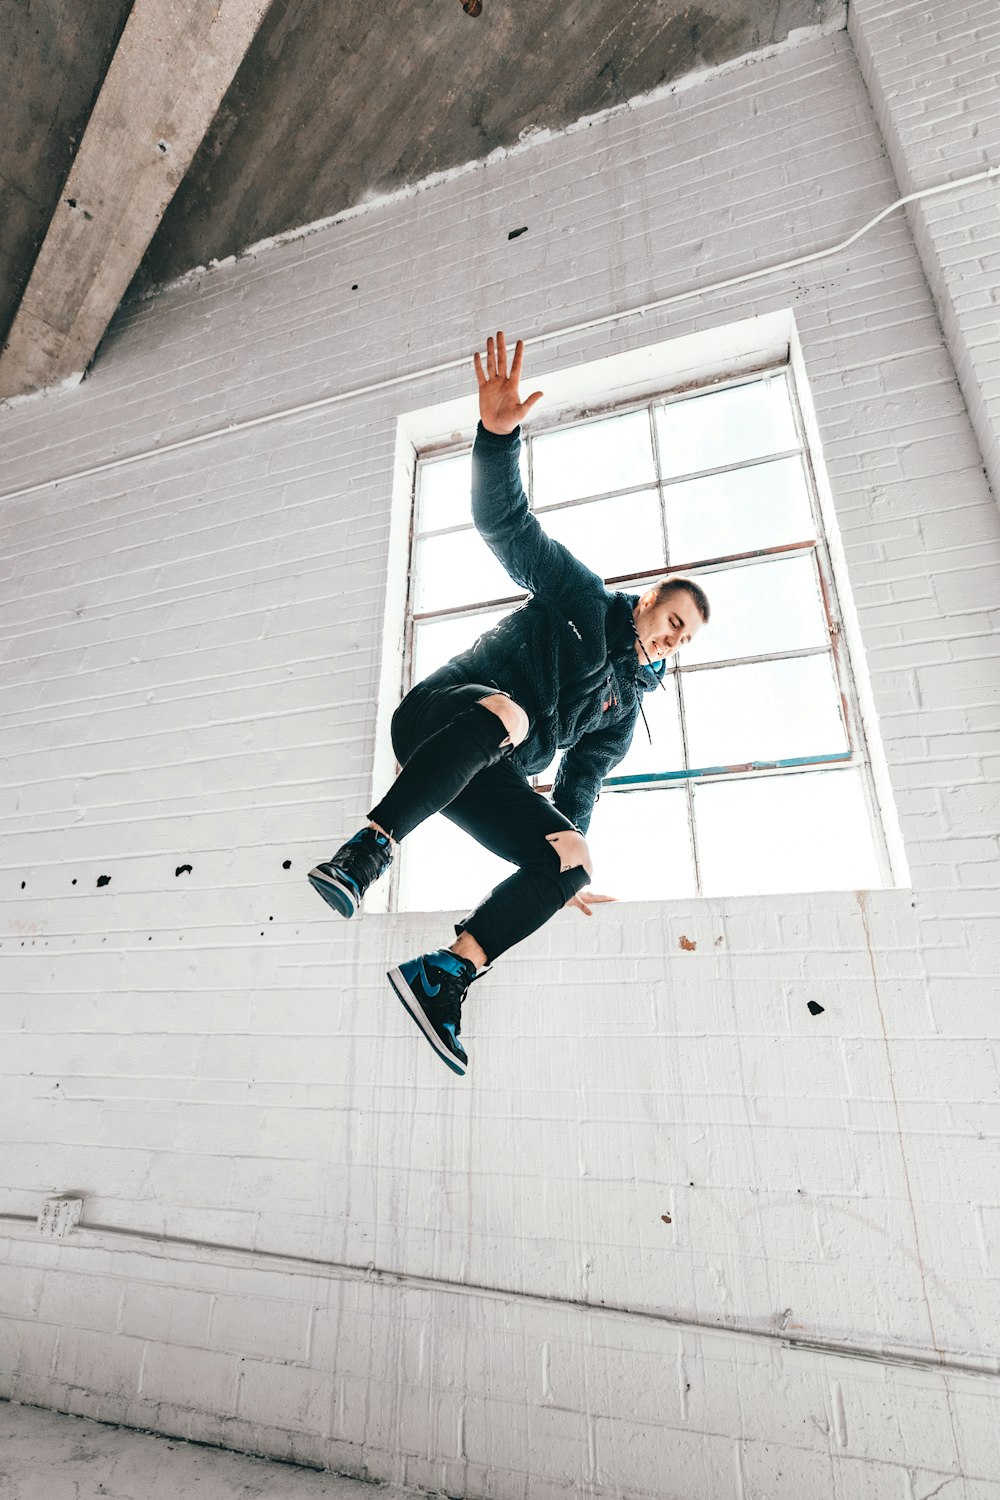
x=496 y=805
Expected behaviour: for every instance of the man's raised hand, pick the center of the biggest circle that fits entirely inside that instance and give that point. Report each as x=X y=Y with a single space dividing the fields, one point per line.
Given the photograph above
x=500 y=406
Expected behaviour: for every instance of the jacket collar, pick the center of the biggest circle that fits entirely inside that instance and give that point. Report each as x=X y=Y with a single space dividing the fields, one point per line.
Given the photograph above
x=620 y=633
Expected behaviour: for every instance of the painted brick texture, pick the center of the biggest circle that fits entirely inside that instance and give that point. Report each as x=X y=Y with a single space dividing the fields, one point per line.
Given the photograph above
x=931 y=70
x=190 y=657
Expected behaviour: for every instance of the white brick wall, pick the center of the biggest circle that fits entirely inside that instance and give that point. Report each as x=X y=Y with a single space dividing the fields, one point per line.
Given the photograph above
x=190 y=656
x=931 y=67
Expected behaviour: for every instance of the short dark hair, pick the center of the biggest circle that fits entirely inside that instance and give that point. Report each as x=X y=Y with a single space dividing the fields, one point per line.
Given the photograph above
x=668 y=586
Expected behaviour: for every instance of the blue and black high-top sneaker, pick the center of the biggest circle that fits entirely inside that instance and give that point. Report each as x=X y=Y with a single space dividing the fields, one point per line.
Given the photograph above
x=343 y=879
x=432 y=988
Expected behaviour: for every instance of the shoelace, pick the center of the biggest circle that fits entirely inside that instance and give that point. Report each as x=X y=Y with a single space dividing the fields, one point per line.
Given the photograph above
x=365 y=859
x=453 y=990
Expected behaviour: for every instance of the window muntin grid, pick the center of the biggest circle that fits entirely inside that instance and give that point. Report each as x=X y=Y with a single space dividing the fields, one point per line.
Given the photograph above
x=760 y=473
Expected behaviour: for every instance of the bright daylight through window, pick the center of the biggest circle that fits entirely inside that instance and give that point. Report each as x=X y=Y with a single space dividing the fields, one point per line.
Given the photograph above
x=755 y=779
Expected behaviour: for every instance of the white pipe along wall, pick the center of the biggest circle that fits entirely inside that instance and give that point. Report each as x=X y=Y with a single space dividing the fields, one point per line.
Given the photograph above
x=296 y=1238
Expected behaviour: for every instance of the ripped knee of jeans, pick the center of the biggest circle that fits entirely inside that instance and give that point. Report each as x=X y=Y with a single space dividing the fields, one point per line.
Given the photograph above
x=571 y=850
x=511 y=715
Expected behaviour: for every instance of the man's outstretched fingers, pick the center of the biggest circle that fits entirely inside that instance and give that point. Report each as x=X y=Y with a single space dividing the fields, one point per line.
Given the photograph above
x=501 y=354
x=584 y=900
x=480 y=372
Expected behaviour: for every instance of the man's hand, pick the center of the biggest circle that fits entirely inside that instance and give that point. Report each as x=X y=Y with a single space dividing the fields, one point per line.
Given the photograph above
x=584 y=900
x=500 y=406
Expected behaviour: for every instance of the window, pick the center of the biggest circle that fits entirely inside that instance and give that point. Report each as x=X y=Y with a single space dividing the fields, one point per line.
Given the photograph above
x=756 y=778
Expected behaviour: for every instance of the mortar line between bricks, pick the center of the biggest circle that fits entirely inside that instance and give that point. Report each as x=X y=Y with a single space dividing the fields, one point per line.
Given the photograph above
x=23 y=1228
x=417 y=376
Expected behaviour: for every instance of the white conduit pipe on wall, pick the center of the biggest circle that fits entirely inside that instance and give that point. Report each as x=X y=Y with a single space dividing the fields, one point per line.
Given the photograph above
x=415 y=376
x=19 y=1227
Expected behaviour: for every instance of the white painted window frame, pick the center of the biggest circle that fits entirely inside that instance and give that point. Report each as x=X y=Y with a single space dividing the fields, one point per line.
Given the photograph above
x=711 y=360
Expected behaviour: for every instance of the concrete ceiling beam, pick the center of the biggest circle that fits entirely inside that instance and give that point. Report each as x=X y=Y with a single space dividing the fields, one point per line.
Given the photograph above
x=172 y=66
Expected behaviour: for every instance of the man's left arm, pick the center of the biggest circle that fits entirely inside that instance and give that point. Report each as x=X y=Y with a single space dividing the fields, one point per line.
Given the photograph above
x=583 y=768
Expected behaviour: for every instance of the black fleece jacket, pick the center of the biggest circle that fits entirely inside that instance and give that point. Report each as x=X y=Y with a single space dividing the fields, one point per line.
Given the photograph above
x=567 y=656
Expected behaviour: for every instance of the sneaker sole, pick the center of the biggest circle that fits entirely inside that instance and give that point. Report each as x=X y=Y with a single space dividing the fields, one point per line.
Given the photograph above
x=333 y=893
x=415 y=1011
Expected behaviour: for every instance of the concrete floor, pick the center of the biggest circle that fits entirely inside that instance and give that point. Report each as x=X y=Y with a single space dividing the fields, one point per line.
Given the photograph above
x=47 y=1456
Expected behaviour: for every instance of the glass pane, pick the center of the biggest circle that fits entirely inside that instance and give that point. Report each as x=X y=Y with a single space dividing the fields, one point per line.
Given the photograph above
x=443 y=869
x=739 y=512
x=666 y=753
x=806 y=832
x=773 y=710
x=612 y=454
x=437 y=641
x=444 y=492
x=773 y=606
x=655 y=823
x=725 y=427
x=611 y=536
x=457 y=568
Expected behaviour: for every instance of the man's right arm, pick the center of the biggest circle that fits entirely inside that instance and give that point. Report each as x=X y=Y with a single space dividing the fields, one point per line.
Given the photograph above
x=534 y=560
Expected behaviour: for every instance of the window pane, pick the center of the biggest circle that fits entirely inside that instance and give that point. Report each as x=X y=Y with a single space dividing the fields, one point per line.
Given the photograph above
x=725 y=427
x=773 y=606
x=436 y=641
x=666 y=753
x=457 y=568
x=611 y=536
x=442 y=868
x=805 y=832
x=740 y=511
x=444 y=492
x=773 y=710
x=612 y=454
x=641 y=846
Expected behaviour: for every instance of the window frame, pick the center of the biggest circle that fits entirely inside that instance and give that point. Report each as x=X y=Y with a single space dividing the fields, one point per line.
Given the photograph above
x=858 y=755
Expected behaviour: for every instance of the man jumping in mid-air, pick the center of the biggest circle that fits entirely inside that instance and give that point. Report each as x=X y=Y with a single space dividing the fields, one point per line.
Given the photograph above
x=564 y=672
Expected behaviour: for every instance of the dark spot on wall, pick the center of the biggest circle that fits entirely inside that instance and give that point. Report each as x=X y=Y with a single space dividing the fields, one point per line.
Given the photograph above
x=103 y=880
x=185 y=869
x=23 y=884
x=815 y=1009
x=71 y=202
x=666 y=1218
x=687 y=945
x=74 y=882
x=516 y=233
x=354 y=286
x=286 y=864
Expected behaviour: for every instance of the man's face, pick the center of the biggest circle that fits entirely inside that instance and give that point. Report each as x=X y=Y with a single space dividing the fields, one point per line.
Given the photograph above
x=662 y=628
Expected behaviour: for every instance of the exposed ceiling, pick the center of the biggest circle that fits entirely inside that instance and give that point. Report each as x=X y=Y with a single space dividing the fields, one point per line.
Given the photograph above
x=337 y=100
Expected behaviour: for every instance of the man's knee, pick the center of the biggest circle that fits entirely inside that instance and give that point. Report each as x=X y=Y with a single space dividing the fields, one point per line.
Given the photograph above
x=511 y=715
x=571 y=849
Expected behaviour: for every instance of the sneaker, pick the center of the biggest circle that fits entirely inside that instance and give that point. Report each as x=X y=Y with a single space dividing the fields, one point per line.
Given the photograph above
x=343 y=879
x=432 y=988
